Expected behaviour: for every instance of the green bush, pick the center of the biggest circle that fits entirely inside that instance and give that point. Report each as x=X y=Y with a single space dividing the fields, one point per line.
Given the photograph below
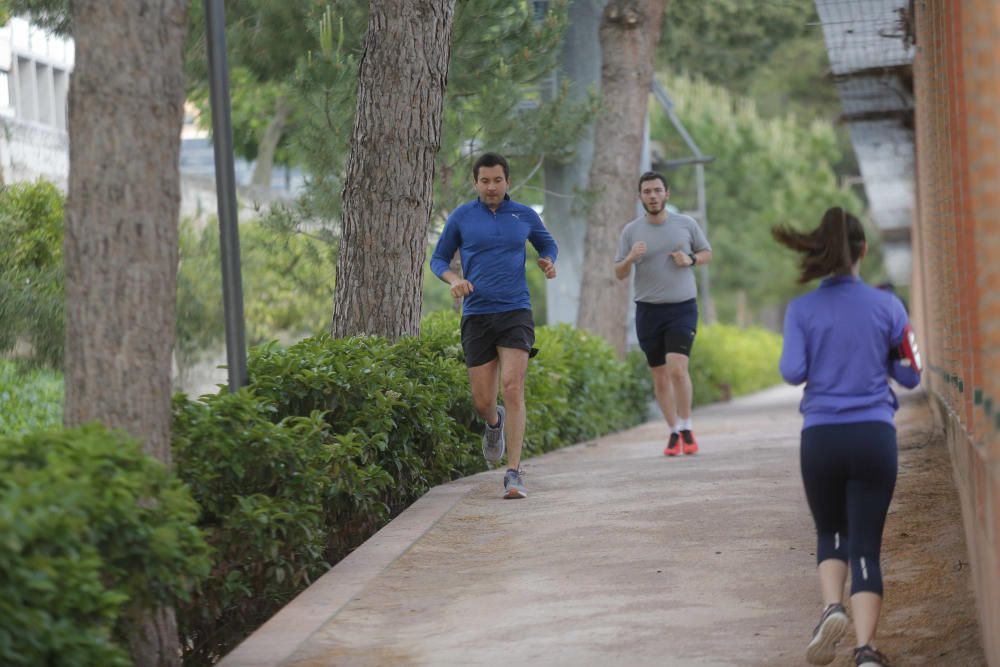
x=727 y=361
x=577 y=389
x=262 y=487
x=30 y=399
x=93 y=531
x=31 y=271
x=334 y=437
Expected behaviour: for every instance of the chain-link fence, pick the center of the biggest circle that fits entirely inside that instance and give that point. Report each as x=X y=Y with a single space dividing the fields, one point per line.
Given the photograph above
x=956 y=245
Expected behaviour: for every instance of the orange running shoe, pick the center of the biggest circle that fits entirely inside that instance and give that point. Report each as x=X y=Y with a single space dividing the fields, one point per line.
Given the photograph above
x=690 y=444
x=673 y=446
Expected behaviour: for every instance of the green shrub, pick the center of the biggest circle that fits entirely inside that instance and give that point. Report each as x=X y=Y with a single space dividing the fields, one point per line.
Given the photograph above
x=93 y=530
x=31 y=271
x=728 y=361
x=393 y=401
x=30 y=399
x=577 y=389
x=262 y=487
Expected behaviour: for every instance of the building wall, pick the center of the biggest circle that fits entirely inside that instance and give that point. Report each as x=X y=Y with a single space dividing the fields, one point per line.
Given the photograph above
x=956 y=280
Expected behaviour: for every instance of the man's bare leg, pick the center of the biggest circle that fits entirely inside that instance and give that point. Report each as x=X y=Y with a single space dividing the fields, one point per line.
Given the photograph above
x=513 y=370
x=483 y=382
x=680 y=382
x=663 y=388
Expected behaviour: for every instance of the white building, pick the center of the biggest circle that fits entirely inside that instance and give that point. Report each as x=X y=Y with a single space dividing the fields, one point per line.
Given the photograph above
x=34 y=83
x=35 y=68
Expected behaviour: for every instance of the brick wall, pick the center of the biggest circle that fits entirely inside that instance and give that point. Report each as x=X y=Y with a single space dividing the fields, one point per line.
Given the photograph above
x=956 y=282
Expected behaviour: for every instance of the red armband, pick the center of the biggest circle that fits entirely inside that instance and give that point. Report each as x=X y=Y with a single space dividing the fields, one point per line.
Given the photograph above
x=908 y=352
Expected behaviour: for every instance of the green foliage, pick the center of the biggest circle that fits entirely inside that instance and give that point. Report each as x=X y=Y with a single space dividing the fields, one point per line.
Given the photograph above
x=727 y=41
x=93 y=530
x=577 y=389
x=31 y=272
x=287 y=285
x=262 y=487
x=53 y=15
x=265 y=41
x=334 y=437
x=727 y=362
x=766 y=172
x=772 y=52
x=500 y=58
x=392 y=399
x=30 y=399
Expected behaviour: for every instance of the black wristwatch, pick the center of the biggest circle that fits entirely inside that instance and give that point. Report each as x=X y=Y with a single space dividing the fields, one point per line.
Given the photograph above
x=694 y=258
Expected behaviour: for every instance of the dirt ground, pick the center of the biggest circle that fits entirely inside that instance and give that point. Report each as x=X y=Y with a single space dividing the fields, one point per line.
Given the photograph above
x=930 y=610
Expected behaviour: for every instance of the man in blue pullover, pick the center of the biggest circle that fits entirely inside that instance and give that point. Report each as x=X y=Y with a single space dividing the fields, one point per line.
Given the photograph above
x=498 y=331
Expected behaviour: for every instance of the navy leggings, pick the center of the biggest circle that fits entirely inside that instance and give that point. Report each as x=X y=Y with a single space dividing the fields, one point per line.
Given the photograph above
x=849 y=472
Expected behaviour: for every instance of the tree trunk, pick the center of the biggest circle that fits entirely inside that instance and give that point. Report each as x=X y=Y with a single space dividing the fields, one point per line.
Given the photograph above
x=269 y=144
x=629 y=32
x=125 y=113
x=388 y=191
x=565 y=218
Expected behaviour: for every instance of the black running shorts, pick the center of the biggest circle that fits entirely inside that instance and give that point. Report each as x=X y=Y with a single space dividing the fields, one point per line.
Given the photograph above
x=483 y=334
x=664 y=328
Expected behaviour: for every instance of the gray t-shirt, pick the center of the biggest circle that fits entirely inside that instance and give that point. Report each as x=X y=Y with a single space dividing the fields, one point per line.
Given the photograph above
x=657 y=278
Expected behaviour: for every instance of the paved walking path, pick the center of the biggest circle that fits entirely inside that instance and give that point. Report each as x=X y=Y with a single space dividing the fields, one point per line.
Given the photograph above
x=619 y=556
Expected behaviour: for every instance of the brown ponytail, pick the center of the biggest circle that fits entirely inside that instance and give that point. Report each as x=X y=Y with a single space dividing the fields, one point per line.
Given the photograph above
x=830 y=249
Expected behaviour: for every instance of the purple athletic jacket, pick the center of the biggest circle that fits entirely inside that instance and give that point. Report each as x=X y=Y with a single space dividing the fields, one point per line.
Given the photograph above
x=837 y=341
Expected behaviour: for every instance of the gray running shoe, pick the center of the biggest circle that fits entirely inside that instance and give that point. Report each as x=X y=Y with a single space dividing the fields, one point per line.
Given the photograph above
x=830 y=630
x=867 y=656
x=494 y=442
x=513 y=485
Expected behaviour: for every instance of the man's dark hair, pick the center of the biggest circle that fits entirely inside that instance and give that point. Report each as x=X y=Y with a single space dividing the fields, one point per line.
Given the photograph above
x=652 y=176
x=490 y=160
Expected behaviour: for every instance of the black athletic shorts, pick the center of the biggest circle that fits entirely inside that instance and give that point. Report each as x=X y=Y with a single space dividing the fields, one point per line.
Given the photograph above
x=665 y=327
x=483 y=334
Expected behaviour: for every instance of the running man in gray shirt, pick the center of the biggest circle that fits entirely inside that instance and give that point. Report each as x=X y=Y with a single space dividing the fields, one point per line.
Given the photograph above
x=664 y=248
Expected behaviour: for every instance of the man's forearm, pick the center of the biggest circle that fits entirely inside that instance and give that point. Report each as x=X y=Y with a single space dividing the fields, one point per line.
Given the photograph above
x=623 y=269
x=449 y=277
x=704 y=257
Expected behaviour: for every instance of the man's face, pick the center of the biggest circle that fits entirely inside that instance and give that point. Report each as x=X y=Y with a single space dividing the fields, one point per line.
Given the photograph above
x=491 y=185
x=653 y=196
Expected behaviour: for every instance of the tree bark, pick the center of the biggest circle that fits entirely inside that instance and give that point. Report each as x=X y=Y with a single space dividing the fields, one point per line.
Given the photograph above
x=268 y=145
x=389 y=190
x=125 y=114
x=629 y=32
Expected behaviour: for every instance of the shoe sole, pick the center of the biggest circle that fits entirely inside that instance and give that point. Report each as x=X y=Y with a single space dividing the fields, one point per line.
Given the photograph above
x=822 y=650
x=692 y=450
x=514 y=494
x=671 y=453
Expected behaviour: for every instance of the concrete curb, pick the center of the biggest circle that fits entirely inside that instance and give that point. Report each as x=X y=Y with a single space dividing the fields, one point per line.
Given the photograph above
x=277 y=639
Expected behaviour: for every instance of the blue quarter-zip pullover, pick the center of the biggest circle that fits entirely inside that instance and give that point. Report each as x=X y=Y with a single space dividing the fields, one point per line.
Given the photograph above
x=837 y=341
x=493 y=253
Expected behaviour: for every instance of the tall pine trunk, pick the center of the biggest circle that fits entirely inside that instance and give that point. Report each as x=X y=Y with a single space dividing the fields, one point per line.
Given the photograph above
x=629 y=32
x=125 y=114
x=389 y=187
x=268 y=144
